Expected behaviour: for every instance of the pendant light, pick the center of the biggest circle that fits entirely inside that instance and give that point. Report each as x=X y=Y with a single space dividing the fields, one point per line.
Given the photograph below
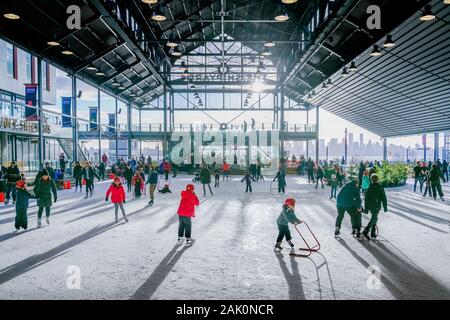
x=427 y=14
x=150 y=1
x=11 y=16
x=376 y=51
x=158 y=15
x=171 y=44
x=289 y=1
x=353 y=67
x=91 y=68
x=389 y=43
x=270 y=44
x=344 y=73
x=281 y=14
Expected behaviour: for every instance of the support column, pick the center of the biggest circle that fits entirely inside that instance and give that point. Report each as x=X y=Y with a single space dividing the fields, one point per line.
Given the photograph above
x=317 y=134
x=307 y=141
x=40 y=116
x=384 y=149
x=346 y=146
x=140 y=129
x=436 y=146
x=99 y=128
x=129 y=124
x=165 y=144
x=424 y=141
x=117 y=130
x=75 y=122
x=282 y=124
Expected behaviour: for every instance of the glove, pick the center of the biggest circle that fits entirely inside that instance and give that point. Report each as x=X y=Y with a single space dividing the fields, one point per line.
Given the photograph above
x=106 y=199
x=124 y=201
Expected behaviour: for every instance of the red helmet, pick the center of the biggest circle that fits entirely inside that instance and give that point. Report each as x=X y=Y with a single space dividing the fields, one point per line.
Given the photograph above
x=290 y=202
x=20 y=184
x=190 y=187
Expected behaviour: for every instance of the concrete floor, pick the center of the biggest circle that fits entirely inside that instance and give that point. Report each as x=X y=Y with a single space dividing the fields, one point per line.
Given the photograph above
x=233 y=257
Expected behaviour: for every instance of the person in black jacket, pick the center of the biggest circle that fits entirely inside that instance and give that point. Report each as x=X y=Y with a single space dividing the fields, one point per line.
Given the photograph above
x=374 y=199
x=319 y=175
x=128 y=175
x=248 y=181
x=88 y=174
x=418 y=176
x=281 y=181
x=77 y=174
x=12 y=176
x=310 y=170
x=445 y=169
x=435 y=181
x=286 y=216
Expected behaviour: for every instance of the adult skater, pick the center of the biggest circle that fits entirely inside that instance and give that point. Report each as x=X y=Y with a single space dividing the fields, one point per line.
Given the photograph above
x=102 y=171
x=319 y=176
x=418 y=176
x=205 y=178
x=88 y=174
x=166 y=168
x=12 y=175
x=333 y=184
x=117 y=193
x=286 y=216
x=361 y=171
x=128 y=175
x=78 y=176
x=152 y=180
x=44 y=189
x=374 y=199
x=105 y=159
x=248 y=181
x=445 y=169
x=310 y=170
x=435 y=181
x=186 y=211
x=217 y=178
x=137 y=182
x=281 y=181
x=225 y=170
x=22 y=203
x=258 y=171
x=62 y=162
x=349 y=200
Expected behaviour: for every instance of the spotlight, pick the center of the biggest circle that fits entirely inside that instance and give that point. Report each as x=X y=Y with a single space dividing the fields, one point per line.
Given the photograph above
x=150 y=1
x=99 y=73
x=157 y=15
x=376 y=51
x=11 y=16
x=175 y=53
x=289 y=1
x=171 y=44
x=67 y=52
x=344 y=73
x=270 y=44
x=389 y=43
x=281 y=14
x=353 y=67
x=427 y=15
x=91 y=68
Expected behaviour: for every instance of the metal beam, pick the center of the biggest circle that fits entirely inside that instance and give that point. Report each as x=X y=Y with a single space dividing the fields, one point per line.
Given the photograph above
x=96 y=57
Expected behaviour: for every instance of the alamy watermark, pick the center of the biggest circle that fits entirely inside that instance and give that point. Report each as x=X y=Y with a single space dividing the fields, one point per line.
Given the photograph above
x=73 y=281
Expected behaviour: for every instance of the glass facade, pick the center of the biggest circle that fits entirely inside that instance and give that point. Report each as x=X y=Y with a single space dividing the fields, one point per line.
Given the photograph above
x=10 y=60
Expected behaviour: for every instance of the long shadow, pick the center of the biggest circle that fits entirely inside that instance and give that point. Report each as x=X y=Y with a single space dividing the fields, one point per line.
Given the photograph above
x=323 y=264
x=401 y=214
x=396 y=292
x=95 y=212
x=149 y=287
x=35 y=261
x=172 y=220
x=417 y=284
x=293 y=280
x=420 y=214
x=11 y=235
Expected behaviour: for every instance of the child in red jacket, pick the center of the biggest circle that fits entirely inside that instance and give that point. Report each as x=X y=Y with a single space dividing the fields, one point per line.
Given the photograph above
x=117 y=193
x=186 y=211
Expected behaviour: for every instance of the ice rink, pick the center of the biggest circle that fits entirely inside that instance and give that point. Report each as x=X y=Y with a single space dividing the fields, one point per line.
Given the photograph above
x=233 y=257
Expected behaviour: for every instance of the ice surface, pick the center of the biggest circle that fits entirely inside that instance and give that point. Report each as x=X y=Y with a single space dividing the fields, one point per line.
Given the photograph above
x=233 y=257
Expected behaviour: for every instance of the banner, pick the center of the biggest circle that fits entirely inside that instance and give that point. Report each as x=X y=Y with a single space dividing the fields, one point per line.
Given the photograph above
x=66 y=111
x=93 y=112
x=30 y=100
x=112 y=122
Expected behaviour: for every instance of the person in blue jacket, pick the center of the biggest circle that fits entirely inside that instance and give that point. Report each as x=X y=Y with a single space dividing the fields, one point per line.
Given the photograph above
x=22 y=203
x=349 y=200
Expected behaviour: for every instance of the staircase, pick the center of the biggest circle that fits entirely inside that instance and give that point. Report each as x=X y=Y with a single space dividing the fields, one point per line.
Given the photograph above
x=82 y=152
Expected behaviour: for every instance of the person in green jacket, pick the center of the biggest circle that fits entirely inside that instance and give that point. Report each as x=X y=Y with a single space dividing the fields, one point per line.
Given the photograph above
x=365 y=182
x=205 y=178
x=152 y=180
x=349 y=200
x=286 y=216
x=375 y=198
x=43 y=190
x=22 y=203
x=334 y=184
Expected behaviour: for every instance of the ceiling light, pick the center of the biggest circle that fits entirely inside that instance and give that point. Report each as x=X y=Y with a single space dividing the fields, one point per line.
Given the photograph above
x=329 y=83
x=175 y=53
x=171 y=44
x=270 y=44
x=446 y=1
x=289 y=1
x=389 y=43
x=344 y=73
x=353 y=67
x=67 y=52
x=100 y=73
x=11 y=16
x=281 y=14
x=121 y=88
x=91 y=68
x=157 y=15
x=115 y=84
x=266 y=53
x=324 y=85
x=427 y=15
x=150 y=1
x=53 y=43
x=376 y=51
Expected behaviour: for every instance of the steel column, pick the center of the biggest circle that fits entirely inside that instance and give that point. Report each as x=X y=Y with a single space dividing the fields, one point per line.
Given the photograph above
x=74 y=120
x=117 y=130
x=40 y=116
x=436 y=146
x=317 y=137
x=99 y=127
x=384 y=149
x=129 y=124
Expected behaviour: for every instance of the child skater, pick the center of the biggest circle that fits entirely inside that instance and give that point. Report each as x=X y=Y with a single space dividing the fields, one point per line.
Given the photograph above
x=248 y=181
x=117 y=193
x=186 y=211
x=365 y=182
x=286 y=216
x=216 y=178
x=427 y=183
x=334 y=184
x=281 y=181
x=137 y=182
x=165 y=189
x=22 y=203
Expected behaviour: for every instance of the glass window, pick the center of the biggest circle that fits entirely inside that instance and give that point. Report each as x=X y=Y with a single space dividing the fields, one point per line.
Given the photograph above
x=10 y=59
x=29 y=66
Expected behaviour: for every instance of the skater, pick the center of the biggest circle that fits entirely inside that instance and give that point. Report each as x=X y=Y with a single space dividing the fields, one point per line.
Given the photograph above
x=128 y=175
x=102 y=171
x=165 y=189
x=427 y=183
x=319 y=176
x=435 y=181
x=22 y=203
x=137 y=182
x=365 y=182
x=77 y=174
x=374 y=199
x=225 y=170
x=43 y=190
x=152 y=180
x=248 y=181
x=418 y=176
x=166 y=168
x=62 y=162
x=349 y=200
x=88 y=174
x=12 y=175
x=334 y=185
x=196 y=178
x=105 y=159
x=286 y=216
x=117 y=193
x=258 y=171
x=310 y=170
x=281 y=182
x=445 y=169
x=185 y=212
x=205 y=178
x=217 y=178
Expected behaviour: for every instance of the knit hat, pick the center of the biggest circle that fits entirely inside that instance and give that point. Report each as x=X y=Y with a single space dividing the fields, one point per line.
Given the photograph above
x=190 y=187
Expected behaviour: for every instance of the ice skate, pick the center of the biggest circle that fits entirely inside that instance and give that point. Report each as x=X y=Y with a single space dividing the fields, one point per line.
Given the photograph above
x=39 y=223
x=278 y=247
x=337 y=231
x=190 y=241
x=366 y=235
x=180 y=241
x=442 y=199
x=353 y=232
x=126 y=219
x=358 y=235
x=150 y=203
x=86 y=196
x=47 y=219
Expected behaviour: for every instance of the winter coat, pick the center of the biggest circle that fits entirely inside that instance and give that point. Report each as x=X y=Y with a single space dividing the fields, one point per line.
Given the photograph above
x=287 y=216
x=152 y=177
x=137 y=179
x=166 y=166
x=365 y=182
x=77 y=171
x=349 y=196
x=225 y=167
x=43 y=191
x=23 y=199
x=320 y=173
x=375 y=198
x=117 y=193
x=188 y=203
x=248 y=179
x=128 y=174
x=205 y=176
x=92 y=173
x=12 y=175
x=436 y=174
x=281 y=179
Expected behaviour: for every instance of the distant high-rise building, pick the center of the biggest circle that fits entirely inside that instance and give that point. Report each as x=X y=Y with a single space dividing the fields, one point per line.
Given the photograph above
x=361 y=140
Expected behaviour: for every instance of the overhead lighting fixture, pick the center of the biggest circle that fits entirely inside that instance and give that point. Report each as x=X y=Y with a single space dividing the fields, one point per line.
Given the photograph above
x=324 y=85
x=270 y=44
x=175 y=53
x=67 y=52
x=150 y=1
x=121 y=88
x=344 y=73
x=116 y=84
x=376 y=51
x=11 y=16
x=353 y=67
x=329 y=83
x=91 y=68
x=281 y=14
x=53 y=43
x=289 y=1
x=171 y=44
x=157 y=15
x=427 y=14
x=446 y=1
x=266 y=53
x=389 y=43
x=100 y=74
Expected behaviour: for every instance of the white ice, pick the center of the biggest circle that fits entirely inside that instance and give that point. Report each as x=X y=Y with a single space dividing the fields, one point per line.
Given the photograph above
x=233 y=257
